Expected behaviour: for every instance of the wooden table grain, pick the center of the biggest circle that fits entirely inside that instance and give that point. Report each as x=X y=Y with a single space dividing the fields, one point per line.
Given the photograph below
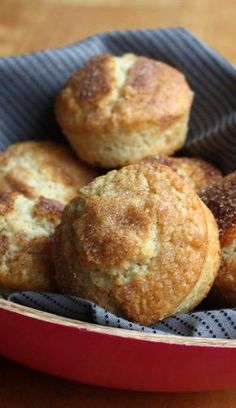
x=25 y=388
x=30 y=25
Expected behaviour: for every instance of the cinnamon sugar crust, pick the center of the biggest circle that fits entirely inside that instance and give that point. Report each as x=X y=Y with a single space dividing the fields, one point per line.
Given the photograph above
x=136 y=241
x=117 y=110
x=26 y=230
x=221 y=199
x=43 y=168
x=198 y=173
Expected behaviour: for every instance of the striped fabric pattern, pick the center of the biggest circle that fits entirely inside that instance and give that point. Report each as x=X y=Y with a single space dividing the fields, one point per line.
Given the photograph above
x=210 y=323
x=29 y=84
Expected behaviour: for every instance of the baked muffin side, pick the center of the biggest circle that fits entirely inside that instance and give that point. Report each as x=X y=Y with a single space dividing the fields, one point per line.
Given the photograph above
x=137 y=242
x=26 y=230
x=198 y=173
x=43 y=168
x=117 y=110
x=221 y=199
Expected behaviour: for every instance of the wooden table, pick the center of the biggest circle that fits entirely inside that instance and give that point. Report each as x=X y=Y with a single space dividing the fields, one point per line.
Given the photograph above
x=29 y=25
x=22 y=387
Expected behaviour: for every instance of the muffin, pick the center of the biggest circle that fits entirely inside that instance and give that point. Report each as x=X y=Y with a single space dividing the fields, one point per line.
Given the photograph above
x=117 y=110
x=198 y=173
x=221 y=199
x=139 y=242
x=43 y=168
x=26 y=230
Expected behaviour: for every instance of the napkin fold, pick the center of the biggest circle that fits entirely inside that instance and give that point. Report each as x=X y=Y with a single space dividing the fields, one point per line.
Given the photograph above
x=29 y=84
x=210 y=323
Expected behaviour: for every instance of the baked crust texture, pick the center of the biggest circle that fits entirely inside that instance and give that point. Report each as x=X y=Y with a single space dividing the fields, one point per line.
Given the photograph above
x=117 y=110
x=137 y=241
x=221 y=199
x=198 y=173
x=43 y=168
x=26 y=230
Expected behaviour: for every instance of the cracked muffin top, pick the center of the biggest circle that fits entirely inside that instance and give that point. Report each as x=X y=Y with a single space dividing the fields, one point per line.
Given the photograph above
x=43 y=168
x=117 y=110
x=139 y=242
x=198 y=173
x=26 y=230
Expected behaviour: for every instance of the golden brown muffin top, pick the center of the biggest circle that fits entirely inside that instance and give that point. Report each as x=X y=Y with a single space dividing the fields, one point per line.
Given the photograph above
x=198 y=173
x=221 y=199
x=43 y=168
x=127 y=90
x=134 y=238
x=26 y=229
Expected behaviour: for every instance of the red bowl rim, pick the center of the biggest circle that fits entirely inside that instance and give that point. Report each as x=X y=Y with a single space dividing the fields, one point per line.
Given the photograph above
x=112 y=331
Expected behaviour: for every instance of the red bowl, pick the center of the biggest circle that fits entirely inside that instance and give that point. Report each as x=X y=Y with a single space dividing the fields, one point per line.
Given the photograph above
x=114 y=358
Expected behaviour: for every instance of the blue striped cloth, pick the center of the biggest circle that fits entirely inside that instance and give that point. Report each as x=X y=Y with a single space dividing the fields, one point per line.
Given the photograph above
x=210 y=323
x=28 y=87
